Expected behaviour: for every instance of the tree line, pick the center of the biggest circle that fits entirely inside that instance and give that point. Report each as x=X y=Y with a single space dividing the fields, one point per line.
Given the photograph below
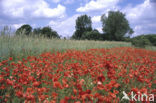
x=144 y=40
x=47 y=31
x=115 y=27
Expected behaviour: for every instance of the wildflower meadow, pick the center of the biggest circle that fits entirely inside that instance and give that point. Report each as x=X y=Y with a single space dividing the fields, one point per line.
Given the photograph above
x=80 y=76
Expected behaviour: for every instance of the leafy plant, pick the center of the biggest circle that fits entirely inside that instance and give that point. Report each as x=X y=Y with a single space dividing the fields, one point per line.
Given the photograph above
x=115 y=25
x=141 y=42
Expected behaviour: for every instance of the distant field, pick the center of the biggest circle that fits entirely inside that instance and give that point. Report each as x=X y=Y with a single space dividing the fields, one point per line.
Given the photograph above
x=21 y=46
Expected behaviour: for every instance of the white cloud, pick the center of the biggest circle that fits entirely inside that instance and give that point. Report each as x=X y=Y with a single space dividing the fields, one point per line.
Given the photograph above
x=47 y=12
x=66 y=27
x=97 y=5
x=16 y=26
x=142 y=17
x=30 y=8
x=53 y=23
x=99 y=29
x=96 y=19
x=137 y=11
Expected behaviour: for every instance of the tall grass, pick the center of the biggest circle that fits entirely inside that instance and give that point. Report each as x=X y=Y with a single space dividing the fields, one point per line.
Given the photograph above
x=23 y=46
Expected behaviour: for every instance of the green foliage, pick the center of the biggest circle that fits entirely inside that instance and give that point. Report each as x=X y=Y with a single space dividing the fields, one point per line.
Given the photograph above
x=48 y=32
x=144 y=40
x=45 y=31
x=127 y=39
x=151 y=38
x=131 y=31
x=24 y=29
x=92 y=35
x=140 y=42
x=115 y=25
x=83 y=24
x=37 y=31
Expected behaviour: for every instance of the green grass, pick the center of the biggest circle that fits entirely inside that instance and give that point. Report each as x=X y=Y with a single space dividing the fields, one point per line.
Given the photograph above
x=151 y=48
x=22 y=46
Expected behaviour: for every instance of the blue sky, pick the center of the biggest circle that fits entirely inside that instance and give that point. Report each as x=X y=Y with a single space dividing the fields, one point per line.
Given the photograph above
x=61 y=14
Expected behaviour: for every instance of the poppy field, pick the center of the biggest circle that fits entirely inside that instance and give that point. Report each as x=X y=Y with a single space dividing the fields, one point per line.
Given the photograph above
x=79 y=76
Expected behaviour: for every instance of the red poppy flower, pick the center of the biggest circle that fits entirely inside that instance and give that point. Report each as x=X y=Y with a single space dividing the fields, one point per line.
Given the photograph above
x=36 y=84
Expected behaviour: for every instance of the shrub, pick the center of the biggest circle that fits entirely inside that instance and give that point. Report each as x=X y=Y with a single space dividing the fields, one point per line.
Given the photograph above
x=142 y=42
x=24 y=29
x=50 y=33
x=91 y=35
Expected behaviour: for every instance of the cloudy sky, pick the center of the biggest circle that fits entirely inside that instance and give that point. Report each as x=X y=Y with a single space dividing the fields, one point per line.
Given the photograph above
x=61 y=14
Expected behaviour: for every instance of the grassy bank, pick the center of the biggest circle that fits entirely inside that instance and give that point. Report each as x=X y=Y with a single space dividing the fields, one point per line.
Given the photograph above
x=21 y=46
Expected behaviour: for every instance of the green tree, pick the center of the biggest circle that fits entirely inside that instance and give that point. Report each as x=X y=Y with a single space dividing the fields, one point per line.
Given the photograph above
x=151 y=38
x=115 y=26
x=83 y=24
x=141 y=41
x=144 y=40
x=37 y=31
x=24 y=29
x=50 y=33
x=92 y=35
